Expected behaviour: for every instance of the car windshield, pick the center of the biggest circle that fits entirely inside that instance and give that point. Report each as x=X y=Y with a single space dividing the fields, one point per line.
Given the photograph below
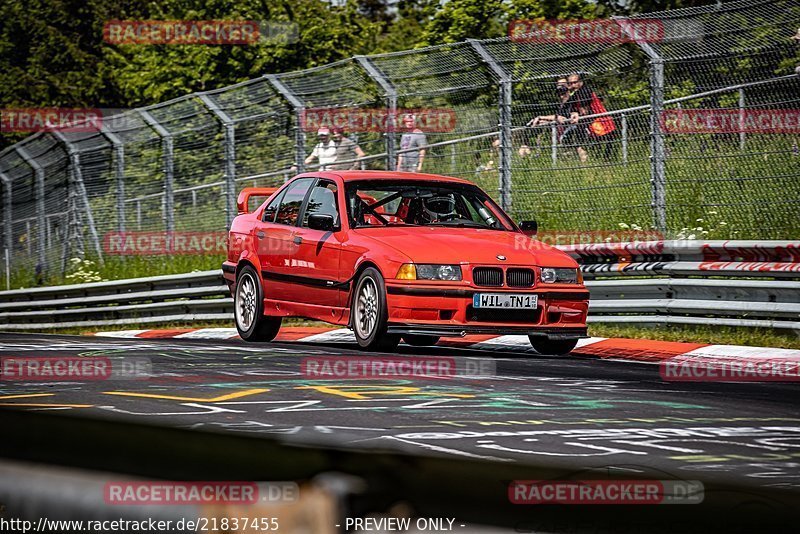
x=407 y=203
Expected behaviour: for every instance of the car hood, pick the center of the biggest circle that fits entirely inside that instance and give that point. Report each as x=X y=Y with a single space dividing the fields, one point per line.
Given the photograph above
x=471 y=245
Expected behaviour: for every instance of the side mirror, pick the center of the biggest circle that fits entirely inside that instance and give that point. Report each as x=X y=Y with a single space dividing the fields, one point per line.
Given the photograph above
x=321 y=221
x=530 y=228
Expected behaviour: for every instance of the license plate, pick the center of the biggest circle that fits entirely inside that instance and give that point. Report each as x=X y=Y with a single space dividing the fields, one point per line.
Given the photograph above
x=504 y=300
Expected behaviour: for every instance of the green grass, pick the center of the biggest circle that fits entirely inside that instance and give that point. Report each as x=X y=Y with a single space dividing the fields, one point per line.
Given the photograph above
x=722 y=335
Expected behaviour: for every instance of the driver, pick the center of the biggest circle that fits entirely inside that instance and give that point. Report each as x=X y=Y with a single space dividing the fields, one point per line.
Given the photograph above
x=439 y=208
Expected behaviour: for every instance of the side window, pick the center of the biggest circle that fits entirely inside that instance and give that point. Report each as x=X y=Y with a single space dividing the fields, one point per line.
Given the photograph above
x=272 y=208
x=292 y=201
x=322 y=201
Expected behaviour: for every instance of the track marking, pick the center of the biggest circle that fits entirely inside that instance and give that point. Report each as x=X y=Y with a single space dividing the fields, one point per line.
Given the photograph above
x=229 y=396
x=35 y=405
x=26 y=396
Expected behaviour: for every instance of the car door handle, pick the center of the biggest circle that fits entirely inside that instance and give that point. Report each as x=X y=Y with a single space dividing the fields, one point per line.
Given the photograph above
x=260 y=235
x=297 y=240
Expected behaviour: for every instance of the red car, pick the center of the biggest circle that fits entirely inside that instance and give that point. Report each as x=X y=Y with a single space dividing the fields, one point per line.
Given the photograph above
x=398 y=255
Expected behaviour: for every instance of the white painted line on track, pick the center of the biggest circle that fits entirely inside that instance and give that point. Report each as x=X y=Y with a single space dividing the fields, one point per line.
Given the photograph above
x=125 y=334
x=210 y=333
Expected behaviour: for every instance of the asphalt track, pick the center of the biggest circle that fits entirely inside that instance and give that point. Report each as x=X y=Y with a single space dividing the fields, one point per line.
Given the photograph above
x=580 y=413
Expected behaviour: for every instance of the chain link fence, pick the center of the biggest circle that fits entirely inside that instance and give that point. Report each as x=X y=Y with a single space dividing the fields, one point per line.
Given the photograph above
x=177 y=166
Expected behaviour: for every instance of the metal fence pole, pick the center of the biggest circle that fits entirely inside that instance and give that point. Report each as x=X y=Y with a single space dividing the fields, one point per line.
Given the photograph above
x=657 y=152
x=40 y=207
x=169 y=168
x=119 y=173
x=230 y=157
x=658 y=167
x=504 y=101
x=624 y=121
x=741 y=119
x=390 y=93
x=77 y=174
x=554 y=144
x=8 y=224
x=299 y=110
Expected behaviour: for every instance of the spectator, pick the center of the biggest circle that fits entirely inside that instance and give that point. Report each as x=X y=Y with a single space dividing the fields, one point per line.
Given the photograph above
x=346 y=149
x=796 y=37
x=413 y=138
x=324 y=151
x=584 y=102
x=563 y=116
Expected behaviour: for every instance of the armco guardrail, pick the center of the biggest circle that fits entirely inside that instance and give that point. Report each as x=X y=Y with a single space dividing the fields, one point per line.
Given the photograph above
x=734 y=283
x=199 y=296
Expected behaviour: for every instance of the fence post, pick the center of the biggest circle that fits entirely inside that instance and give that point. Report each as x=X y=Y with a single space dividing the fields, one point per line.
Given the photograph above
x=390 y=93
x=741 y=119
x=624 y=121
x=657 y=152
x=77 y=175
x=8 y=224
x=504 y=101
x=169 y=168
x=38 y=171
x=230 y=157
x=554 y=144
x=119 y=172
x=299 y=110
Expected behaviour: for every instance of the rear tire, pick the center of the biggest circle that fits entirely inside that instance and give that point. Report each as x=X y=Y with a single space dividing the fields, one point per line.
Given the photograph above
x=558 y=347
x=248 y=303
x=417 y=340
x=370 y=313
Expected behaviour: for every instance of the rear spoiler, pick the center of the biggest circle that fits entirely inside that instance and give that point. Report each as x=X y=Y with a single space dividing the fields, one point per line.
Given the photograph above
x=242 y=203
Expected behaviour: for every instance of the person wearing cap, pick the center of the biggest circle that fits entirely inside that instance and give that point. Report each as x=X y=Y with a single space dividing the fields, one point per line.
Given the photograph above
x=346 y=150
x=413 y=138
x=324 y=151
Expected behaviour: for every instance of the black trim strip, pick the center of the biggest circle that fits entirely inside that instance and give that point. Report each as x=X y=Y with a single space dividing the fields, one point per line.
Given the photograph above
x=457 y=330
x=228 y=268
x=428 y=292
x=305 y=280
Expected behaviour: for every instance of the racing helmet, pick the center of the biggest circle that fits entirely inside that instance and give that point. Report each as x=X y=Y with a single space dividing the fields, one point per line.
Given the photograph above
x=436 y=208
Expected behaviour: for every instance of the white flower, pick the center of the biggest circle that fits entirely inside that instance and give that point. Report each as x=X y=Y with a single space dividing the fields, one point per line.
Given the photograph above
x=623 y=226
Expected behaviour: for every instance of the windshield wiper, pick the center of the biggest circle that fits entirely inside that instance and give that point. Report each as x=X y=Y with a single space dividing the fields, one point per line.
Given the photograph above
x=461 y=224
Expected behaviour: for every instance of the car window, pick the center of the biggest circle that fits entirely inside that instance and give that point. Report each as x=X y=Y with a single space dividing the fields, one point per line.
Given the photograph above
x=292 y=201
x=322 y=201
x=421 y=204
x=272 y=208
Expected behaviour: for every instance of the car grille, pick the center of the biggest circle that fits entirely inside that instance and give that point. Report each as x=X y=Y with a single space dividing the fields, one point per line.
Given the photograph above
x=519 y=277
x=487 y=276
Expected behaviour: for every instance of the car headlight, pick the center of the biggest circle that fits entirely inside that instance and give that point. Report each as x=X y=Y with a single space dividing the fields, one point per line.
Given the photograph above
x=552 y=275
x=410 y=271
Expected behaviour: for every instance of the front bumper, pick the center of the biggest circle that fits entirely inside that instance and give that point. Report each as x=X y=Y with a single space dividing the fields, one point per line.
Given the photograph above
x=446 y=310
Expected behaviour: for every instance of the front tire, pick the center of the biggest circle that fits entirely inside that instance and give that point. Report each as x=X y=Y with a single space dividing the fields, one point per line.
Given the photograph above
x=251 y=323
x=370 y=313
x=418 y=340
x=558 y=347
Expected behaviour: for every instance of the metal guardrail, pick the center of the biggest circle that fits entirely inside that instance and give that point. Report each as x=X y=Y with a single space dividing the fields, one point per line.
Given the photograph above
x=732 y=283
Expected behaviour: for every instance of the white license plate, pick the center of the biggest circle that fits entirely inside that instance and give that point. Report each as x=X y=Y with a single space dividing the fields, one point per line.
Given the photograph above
x=504 y=300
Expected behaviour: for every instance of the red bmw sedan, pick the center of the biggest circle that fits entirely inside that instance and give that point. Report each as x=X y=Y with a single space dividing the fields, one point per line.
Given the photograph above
x=396 y=255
